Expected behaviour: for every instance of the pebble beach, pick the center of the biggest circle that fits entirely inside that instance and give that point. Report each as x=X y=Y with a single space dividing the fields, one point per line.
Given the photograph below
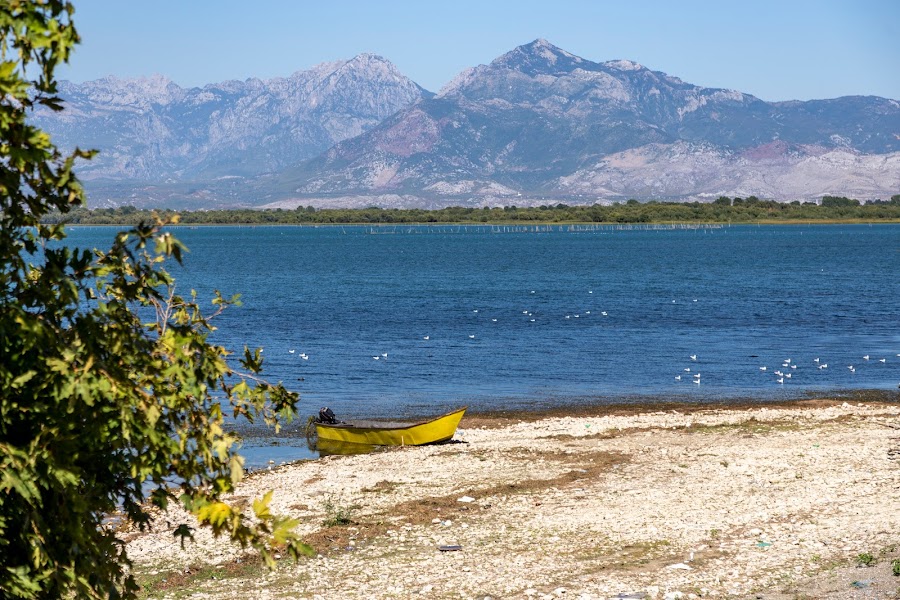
x=798 y=500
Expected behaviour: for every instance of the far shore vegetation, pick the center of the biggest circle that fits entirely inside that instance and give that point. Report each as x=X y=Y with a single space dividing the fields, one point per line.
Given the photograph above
x=831 y=209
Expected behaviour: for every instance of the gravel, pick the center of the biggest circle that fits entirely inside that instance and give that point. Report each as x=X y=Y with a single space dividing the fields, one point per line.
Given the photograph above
x=764 y=502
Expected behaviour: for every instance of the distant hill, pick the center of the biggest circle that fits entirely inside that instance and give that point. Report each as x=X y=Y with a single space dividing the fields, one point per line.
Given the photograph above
x=537 y=125
x=540 y=124
x=152 y=132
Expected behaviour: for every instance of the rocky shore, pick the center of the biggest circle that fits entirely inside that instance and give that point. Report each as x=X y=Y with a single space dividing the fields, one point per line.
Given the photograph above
x=792 y=501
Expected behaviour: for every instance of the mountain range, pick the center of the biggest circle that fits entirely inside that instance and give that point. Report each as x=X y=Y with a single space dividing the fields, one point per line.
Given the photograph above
x=537 y=125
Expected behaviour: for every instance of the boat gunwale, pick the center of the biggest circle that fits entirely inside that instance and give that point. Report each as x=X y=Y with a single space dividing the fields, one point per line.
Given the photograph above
x=395 y=428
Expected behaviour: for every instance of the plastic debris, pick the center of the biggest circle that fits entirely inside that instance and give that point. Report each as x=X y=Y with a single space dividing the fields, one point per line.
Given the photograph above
x=466 y=499
x=863 y=583
x=763 y=544
x=451 y=548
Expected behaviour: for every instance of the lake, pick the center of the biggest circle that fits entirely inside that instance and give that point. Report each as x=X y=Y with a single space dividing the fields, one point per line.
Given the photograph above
x=412 y=320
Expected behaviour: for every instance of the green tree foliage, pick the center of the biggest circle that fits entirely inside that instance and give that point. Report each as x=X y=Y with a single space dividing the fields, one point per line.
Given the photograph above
x=751 y=210
x=838 y=201
x=111 y=396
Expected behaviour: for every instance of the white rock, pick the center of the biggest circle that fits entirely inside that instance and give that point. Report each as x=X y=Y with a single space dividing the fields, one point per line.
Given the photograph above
x=680 y=566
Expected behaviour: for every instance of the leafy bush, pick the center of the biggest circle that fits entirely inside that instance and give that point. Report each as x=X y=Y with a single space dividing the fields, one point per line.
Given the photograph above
x=109 y=389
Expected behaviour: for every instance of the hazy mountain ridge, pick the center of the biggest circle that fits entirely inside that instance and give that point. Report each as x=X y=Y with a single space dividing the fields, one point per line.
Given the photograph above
x=152 y=130
x=537 y=124
x=540 y=122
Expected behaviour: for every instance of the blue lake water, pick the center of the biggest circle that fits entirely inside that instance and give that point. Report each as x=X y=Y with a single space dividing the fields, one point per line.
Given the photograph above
x=533 y=317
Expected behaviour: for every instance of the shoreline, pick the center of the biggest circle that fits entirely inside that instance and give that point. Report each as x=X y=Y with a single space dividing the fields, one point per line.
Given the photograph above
x=527 y=224
x=715 y=501
x=662 y=402
x=569 y=407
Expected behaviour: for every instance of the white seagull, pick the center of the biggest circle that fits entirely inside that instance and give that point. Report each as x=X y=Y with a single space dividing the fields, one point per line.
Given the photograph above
x=427 y=337
x=693 y=357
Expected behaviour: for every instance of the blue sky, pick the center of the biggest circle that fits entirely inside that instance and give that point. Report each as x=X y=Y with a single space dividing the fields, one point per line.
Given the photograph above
x=776 y=50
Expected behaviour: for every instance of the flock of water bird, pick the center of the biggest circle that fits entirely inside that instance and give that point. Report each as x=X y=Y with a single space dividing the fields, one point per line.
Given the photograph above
x=786 y=371
x=781 y=374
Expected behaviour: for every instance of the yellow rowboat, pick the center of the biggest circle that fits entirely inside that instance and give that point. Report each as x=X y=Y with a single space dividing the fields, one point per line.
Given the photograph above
x=439 y=429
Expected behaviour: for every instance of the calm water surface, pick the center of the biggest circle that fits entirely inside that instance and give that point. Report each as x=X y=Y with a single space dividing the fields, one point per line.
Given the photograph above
x=515 y=318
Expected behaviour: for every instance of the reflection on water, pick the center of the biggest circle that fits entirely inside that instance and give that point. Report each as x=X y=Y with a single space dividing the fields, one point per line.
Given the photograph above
x=267 y=452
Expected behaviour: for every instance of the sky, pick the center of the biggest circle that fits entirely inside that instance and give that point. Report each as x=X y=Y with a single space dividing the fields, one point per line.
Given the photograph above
x=775 y=50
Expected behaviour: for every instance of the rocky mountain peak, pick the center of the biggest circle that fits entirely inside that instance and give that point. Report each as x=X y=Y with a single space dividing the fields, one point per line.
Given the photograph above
x=373 y=67
x=538 y=57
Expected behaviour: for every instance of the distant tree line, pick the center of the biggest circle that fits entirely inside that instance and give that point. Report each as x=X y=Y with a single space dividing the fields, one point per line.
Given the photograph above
x=722 y=210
